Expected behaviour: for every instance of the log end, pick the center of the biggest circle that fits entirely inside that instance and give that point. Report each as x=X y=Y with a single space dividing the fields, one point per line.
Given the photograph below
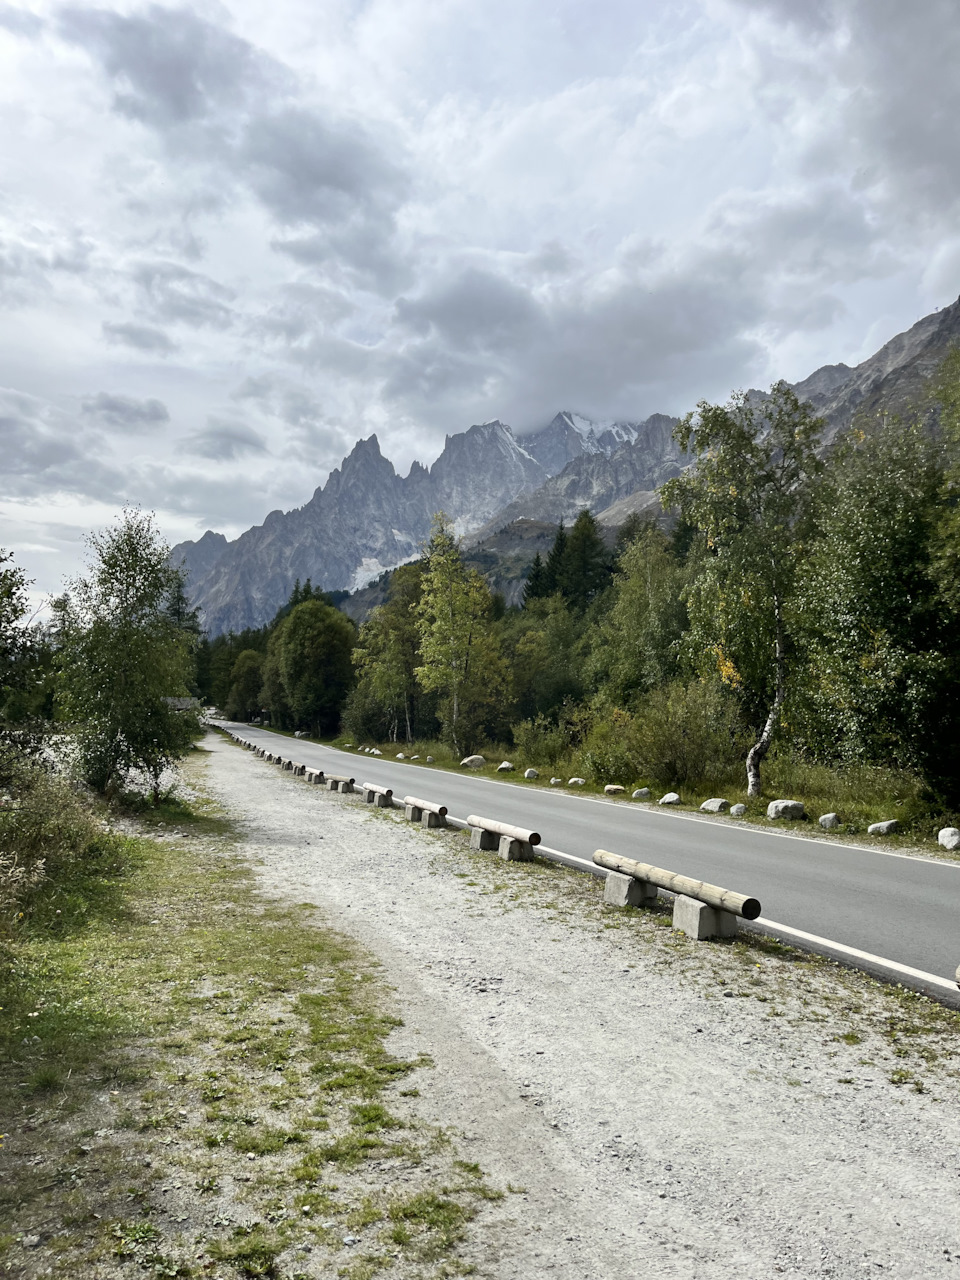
x=751 y=908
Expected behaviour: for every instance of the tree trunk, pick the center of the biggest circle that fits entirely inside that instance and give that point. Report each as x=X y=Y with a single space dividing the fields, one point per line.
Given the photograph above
x=757 y=753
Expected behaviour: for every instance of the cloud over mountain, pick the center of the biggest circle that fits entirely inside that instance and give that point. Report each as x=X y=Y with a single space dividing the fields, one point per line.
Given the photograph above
x=292 y=227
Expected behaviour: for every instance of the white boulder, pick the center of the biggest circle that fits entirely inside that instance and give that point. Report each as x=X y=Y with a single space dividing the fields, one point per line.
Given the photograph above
x=611 y=789
x=576 y=782
x=949 y=838
x=793 y=809
x=472 y=762
x=531 y=773
x=716 y=805
x=737 y=810
x=883 y=828
x=670 y=798
x=642 y=793
x=504 y=767
x=829 y=820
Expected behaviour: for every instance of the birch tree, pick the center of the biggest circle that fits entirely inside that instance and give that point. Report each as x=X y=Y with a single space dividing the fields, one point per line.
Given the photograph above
x=461 y=655
x=749 y=496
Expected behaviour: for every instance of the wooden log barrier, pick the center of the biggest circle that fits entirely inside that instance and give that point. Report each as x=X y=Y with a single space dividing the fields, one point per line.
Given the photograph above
x=382 y=797
x=737 y=904
x=424 y=812
x=515 y=844
x=336 y=782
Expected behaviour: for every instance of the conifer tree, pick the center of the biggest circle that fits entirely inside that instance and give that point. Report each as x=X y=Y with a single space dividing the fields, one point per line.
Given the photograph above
x=585 y=566
x=535 y=587
x=553 y=569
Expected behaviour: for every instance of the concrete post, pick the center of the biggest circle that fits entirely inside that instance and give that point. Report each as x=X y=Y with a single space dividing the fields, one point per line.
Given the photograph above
x=430 y=819
x=480 y=839
x=699 y=921
x=515 y=850
x=412 y=813
x=333 y=784
x=627 y=891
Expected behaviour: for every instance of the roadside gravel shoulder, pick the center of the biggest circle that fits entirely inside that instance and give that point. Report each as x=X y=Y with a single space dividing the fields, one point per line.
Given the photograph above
x=678 y=1109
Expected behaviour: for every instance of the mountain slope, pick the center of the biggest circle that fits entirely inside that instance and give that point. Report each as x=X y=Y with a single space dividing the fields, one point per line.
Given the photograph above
x=366 y=518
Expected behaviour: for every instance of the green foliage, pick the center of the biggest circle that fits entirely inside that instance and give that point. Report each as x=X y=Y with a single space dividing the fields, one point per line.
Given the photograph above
x=243 y=701
x=123 y=657
x=461 y=655
x=636 y=645
x=309 y=658
x=535 y=587
x=26 y=685
x=542 y=642
x=750 y=497
x=880 y=636
x=680 y=734
x=584 y=569
x=388 y=701
x=45 y=832
x=689 y=732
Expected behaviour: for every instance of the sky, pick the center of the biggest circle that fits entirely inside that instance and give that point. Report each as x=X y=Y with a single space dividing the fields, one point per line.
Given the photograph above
x=235 y=238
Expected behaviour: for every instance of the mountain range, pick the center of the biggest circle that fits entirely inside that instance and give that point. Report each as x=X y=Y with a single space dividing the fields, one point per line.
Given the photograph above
x=366 y=518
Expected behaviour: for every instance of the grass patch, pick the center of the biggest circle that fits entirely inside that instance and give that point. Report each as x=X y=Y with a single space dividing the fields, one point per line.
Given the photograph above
x=186 y=1065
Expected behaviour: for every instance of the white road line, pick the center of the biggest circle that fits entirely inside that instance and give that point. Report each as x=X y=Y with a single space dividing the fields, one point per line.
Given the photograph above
x=902 y=970
x=655 y=812
x=771 y=927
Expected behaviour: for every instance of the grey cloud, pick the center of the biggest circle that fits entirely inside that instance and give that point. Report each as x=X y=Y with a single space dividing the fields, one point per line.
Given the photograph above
x=140 y=336
x=171 y=67
x=173 y=293
x=291 y=402
x=891 y=130
x=224 y=441
x=20 y=22
x=125 y=411
x=217 y=101
x=310 y=169
x=477 y=310
x=45 y=450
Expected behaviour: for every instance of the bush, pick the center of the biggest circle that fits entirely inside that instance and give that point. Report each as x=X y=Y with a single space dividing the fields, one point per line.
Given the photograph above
x=681 y=734
x=545 y=741
x=609 y=753
x=44 y=830
x=690 y=733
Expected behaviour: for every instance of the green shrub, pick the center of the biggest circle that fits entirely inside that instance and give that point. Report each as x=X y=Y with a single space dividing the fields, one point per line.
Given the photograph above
x=44 y=828
x=689 y=733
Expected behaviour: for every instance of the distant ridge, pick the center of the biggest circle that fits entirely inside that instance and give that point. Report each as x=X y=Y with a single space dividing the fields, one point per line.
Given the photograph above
x=367 y=518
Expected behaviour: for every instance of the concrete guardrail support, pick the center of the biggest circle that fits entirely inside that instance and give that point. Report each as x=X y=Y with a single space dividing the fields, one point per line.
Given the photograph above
x=701 y=910
x=382 y=797
x=424 y=812
x=337 y=783
x=514 y=844
x=626 y=891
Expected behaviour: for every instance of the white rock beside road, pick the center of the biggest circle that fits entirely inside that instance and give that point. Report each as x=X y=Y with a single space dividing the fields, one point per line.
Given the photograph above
x=793 y=809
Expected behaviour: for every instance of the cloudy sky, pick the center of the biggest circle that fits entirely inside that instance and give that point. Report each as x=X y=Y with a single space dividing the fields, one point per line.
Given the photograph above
x=236 y=237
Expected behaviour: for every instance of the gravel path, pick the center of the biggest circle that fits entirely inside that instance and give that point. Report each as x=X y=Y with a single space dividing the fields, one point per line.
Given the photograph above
x=671 y=1108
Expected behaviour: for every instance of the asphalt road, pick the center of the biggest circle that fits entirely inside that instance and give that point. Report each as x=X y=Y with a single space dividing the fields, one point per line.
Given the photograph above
x=905 y=909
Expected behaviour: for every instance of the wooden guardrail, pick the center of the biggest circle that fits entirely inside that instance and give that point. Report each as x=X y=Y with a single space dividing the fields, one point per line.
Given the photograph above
x=337 y=782
x=381 y=796
x=424 y=812
x=515 y=844
x=700 y=909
